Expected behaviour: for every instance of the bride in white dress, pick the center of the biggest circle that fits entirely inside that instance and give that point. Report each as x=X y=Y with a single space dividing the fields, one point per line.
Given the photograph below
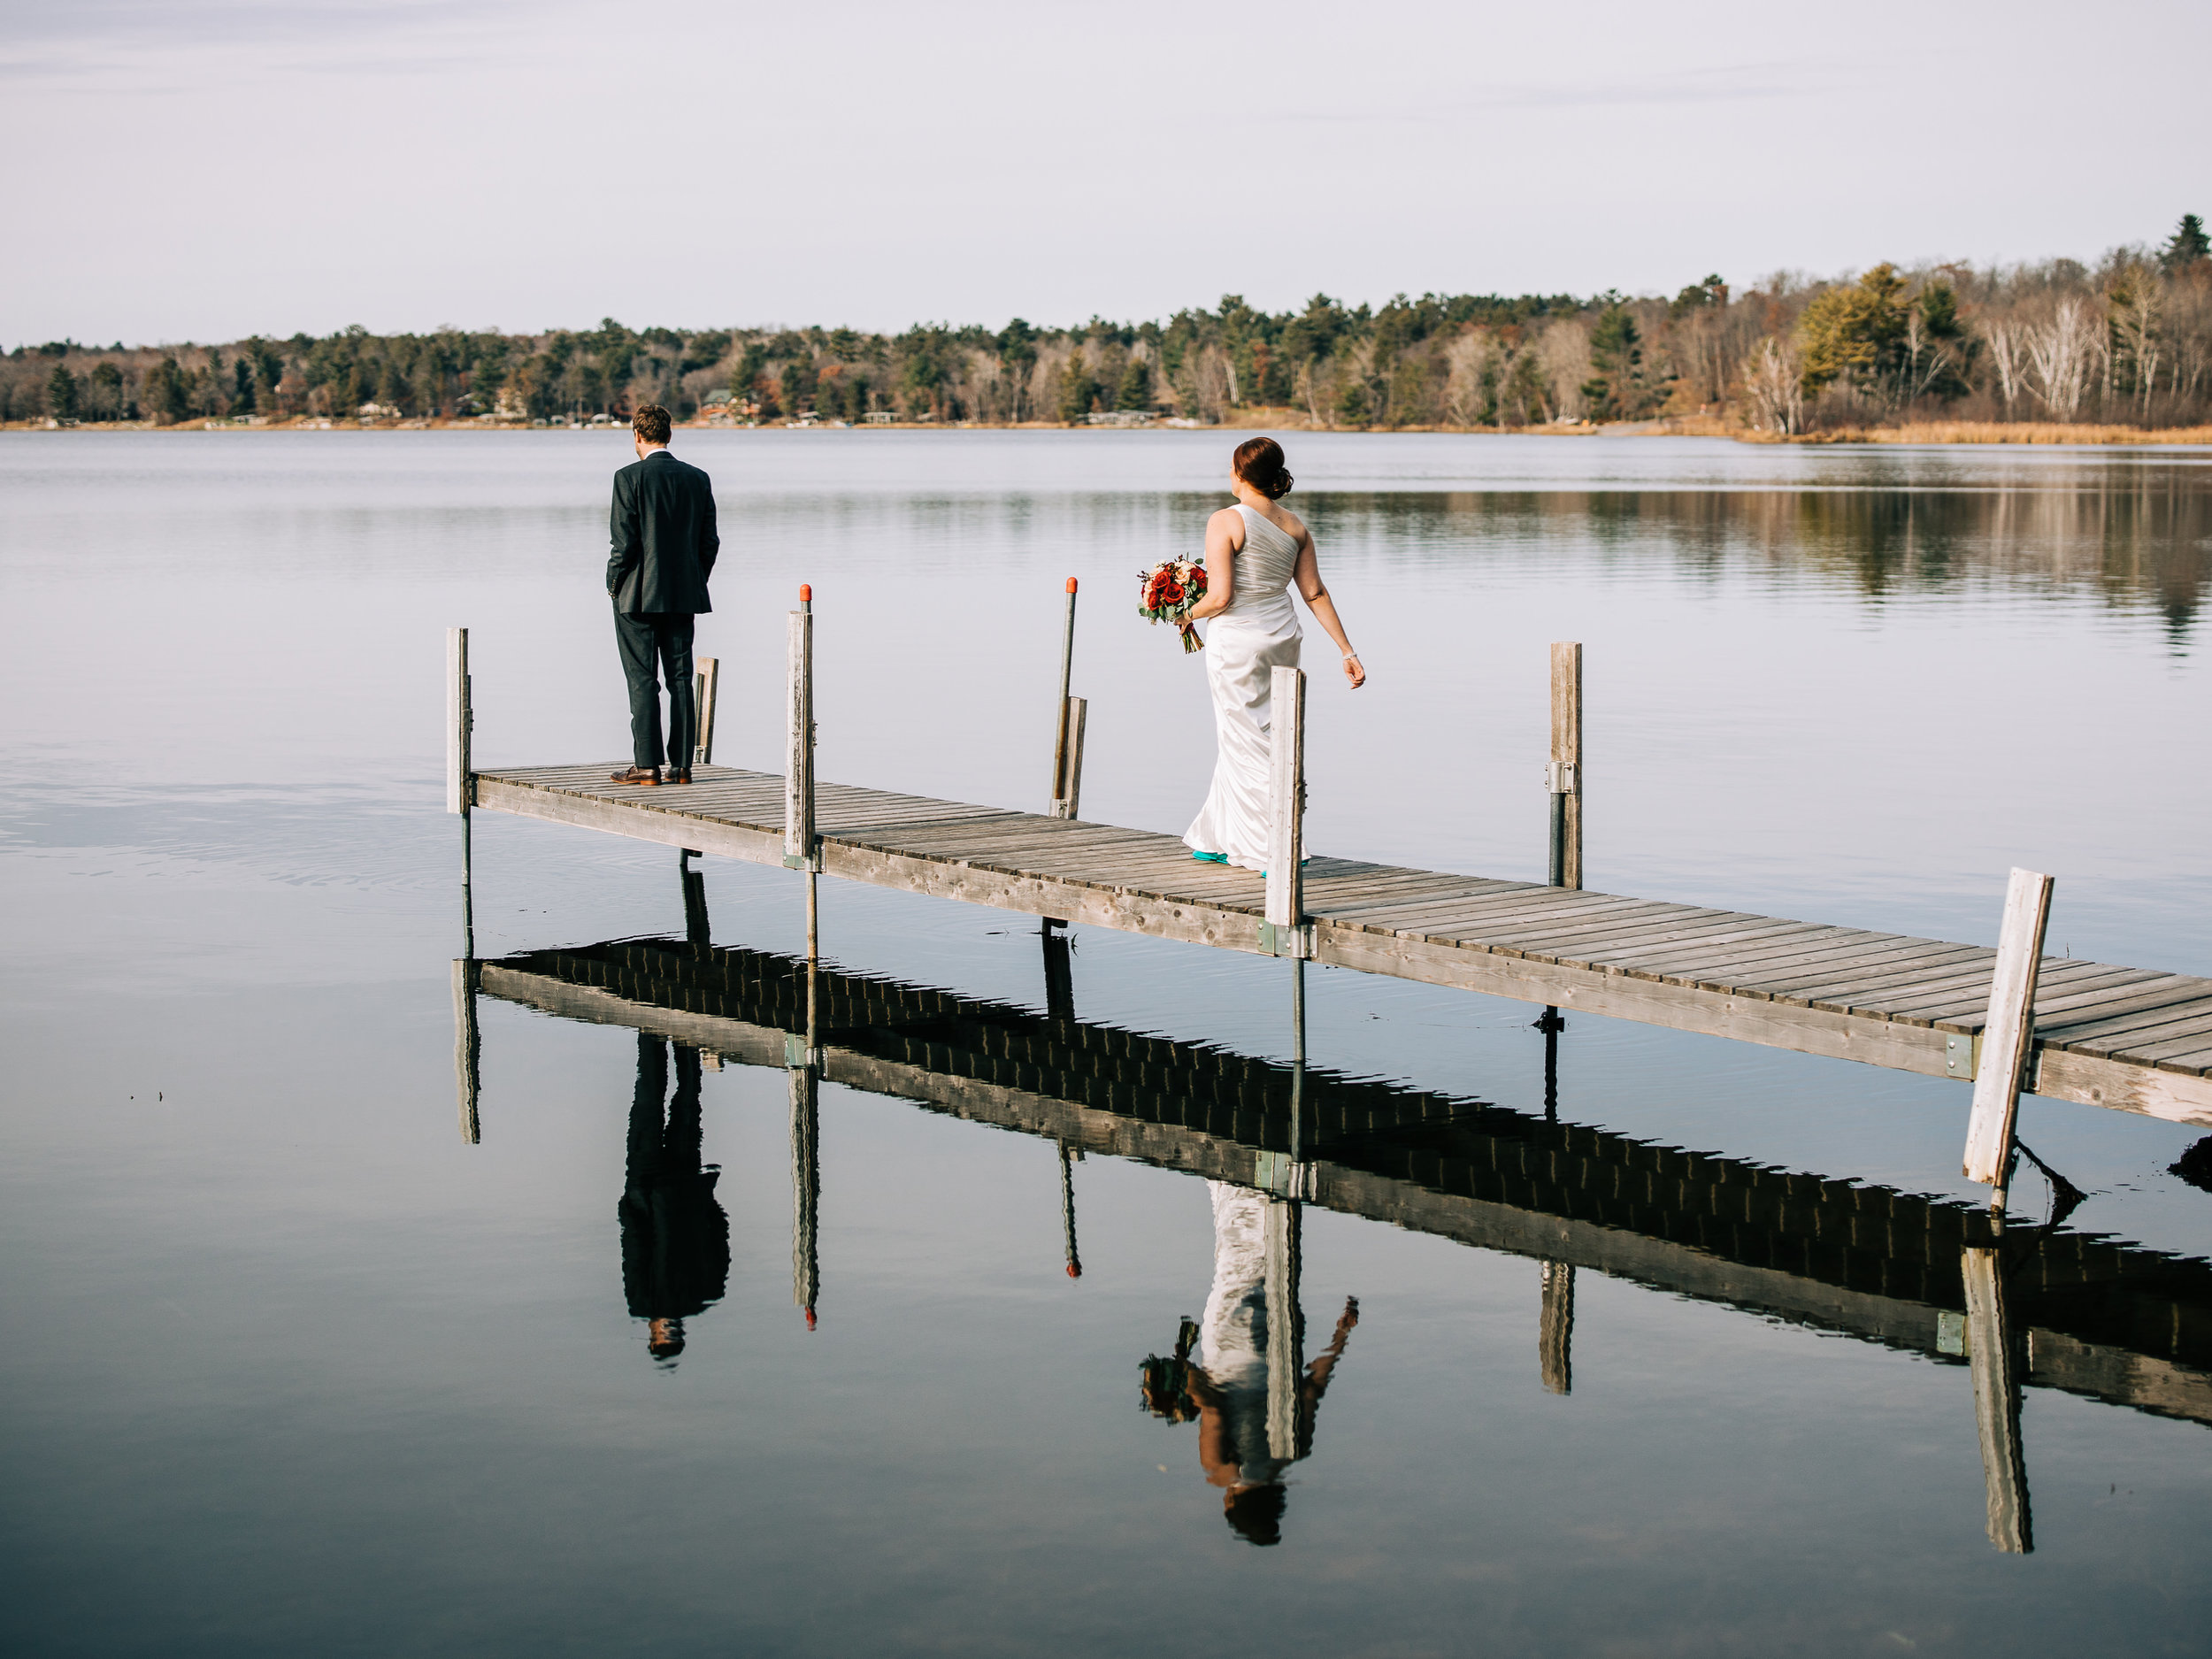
x=1254 y=552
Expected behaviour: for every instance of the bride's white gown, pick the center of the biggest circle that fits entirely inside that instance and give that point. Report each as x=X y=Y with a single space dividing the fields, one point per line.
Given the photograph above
x=1245 y=644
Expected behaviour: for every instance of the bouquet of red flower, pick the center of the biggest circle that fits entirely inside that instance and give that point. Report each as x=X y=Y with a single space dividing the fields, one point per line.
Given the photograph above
x=1171 y=589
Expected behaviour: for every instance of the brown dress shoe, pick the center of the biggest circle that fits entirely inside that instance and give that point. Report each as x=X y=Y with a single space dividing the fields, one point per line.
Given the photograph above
x=646 y=776
x=672 y=776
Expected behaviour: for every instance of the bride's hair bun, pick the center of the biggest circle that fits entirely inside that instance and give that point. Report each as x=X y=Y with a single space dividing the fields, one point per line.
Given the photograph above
x=1259 y=462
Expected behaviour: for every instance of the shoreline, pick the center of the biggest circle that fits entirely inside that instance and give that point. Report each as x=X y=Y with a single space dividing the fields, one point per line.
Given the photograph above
x=1927 y=433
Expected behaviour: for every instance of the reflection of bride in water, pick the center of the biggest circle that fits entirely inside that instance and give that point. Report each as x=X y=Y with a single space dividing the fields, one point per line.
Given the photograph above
x=1254 y=1403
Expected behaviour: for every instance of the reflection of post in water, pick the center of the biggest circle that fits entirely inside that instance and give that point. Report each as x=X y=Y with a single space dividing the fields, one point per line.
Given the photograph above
x=1286 y=1329
x=675 y=1239
x=1556 y=1327
x=1555 y=1330
x=697 y=933
x=1255 y=1402
x=806 y=1189
x=1059 y=978
x=1068 y=1154
x=1297 y=1063
x=1996 y=1364
x=467 y=1049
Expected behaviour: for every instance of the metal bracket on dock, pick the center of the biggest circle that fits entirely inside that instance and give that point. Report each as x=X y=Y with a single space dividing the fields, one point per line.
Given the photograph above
x=1286 y=941
x=1286 y=1177
x=804 y=861
x=1559 y=777
x=1961 y=1052
x=797 y=1055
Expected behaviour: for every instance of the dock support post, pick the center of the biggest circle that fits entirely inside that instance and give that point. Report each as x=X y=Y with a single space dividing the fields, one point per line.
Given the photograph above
x=2008 y=1033
x=460 y=778
x=800 y=849
x=703 y=688
x=1067 y=746
x=1996 y=1364
x=1564 y=776
x=1297 y=1070
x=1282 y=932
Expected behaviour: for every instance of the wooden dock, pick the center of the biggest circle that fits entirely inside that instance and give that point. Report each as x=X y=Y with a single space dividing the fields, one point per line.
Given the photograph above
x=2131 y=1038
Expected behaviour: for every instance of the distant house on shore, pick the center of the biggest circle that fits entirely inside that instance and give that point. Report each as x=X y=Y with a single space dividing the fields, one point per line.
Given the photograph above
x=377 y=411
x=1120 y=418
x=880 y=417
x=509 y=405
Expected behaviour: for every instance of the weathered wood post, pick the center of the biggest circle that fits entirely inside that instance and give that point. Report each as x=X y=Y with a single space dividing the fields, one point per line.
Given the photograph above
x=1996 y=1364
x=800 y=848
x=2000 y=1053
x=703 y=688
x=1563 y=777
x=458 y=796
x=1282 y=932
x=1285 y=1360
x=460 y=776
x=1067 y=747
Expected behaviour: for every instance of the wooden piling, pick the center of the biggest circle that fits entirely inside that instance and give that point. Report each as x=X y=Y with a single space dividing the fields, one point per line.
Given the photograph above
x=703 y=689
x=2007 y=1032
x=1283 y=935
x=806 y=1188
x=1990 y=1350
x=798 y=773
x=458 y=720
x=1068 y=802
x=1564 y=776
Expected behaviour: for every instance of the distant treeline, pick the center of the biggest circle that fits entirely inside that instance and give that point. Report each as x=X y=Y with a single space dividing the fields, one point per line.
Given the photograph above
x=2126 y=340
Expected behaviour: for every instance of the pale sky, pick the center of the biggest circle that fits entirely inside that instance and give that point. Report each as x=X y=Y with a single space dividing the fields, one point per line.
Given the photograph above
x=203 y=169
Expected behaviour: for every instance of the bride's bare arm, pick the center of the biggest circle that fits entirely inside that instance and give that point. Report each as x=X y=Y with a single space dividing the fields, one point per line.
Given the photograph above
x=1223 y=530
x=1316 y=594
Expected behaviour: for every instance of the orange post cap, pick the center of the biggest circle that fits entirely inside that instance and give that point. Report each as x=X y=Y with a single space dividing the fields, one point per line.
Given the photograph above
x=1071 y=584
x=806 y=594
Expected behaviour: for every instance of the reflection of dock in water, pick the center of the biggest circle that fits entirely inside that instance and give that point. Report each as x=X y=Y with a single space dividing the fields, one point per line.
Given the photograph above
x=2117 y=1323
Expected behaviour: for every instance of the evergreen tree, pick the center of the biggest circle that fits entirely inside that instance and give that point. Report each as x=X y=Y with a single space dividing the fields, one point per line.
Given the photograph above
x=241 y=398
x=1135 y=391
x=2187 y=245
x=1854 y=334
x=1617 y=353
x=61 y=394
x=1077 y=389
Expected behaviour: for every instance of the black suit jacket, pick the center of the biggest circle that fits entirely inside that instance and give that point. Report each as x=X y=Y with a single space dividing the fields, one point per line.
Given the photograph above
x=664 y=536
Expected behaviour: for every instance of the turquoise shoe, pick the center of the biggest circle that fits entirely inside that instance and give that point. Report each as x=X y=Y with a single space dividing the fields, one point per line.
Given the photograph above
x=1211 y=858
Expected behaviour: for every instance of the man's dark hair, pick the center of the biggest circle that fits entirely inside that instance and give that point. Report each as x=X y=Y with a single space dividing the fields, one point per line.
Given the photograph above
x=651 y=423
x=1255 y=1513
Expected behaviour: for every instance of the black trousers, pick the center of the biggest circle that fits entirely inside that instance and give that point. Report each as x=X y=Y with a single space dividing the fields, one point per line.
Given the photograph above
x=642 y=641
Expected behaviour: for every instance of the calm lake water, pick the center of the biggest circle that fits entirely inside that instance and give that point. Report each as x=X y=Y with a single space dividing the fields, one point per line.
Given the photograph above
x=286 y=1366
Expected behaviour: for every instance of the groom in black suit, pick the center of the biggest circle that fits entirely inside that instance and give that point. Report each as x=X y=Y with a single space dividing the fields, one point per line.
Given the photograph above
x=664 y=543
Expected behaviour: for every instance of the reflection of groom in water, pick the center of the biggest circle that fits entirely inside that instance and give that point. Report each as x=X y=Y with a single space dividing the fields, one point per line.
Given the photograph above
x=1256 y=1404
x=675 y=1239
